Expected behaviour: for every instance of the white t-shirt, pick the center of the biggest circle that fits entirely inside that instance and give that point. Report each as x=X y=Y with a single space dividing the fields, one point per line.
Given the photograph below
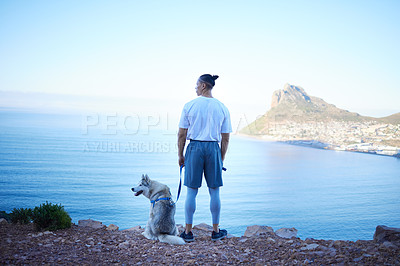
x=205 y=118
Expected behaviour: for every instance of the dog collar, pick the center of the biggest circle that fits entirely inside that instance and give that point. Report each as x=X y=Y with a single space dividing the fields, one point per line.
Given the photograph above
x=154 y=201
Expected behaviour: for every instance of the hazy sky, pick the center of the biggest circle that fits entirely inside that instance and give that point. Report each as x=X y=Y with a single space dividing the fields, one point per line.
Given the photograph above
x=150 y=53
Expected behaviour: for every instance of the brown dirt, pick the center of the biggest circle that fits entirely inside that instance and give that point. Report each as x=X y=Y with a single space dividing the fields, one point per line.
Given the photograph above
x=21 y=244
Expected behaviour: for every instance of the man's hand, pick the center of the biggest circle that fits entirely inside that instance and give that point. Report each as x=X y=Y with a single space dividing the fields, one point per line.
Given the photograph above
x=182 y=133
x=224 y=144
x=181 y=160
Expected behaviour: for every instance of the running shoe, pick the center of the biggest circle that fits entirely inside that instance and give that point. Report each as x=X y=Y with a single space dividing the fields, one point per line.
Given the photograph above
x=220 y=235
x=187 y=237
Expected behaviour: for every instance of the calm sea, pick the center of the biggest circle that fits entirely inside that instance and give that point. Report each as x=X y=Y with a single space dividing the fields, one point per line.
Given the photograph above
x=88 y=164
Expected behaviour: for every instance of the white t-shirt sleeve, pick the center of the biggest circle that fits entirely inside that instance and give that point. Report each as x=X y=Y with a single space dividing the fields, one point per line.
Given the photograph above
x=226 y=123
x=184 y=121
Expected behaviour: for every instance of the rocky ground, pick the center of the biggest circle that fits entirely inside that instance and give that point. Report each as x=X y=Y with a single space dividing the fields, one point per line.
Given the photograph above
x=21 y=244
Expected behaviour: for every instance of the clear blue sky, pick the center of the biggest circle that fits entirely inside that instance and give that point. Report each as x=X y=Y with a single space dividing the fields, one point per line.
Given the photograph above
x=346 y=52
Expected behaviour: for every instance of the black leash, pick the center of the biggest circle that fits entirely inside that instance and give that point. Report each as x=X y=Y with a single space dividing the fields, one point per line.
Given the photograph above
x=180 y=182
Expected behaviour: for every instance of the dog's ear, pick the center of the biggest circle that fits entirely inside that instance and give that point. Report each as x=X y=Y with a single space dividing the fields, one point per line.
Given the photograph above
x=146 y=179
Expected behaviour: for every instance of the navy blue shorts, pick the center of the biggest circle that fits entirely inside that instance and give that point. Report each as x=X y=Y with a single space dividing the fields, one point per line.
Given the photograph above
x=203 y=157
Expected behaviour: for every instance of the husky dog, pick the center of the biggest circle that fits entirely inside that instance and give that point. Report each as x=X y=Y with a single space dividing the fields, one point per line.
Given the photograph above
x=161 y=223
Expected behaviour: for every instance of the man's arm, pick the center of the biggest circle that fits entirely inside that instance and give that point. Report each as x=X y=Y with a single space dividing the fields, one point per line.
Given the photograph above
x=224 y=144
x=182 y=133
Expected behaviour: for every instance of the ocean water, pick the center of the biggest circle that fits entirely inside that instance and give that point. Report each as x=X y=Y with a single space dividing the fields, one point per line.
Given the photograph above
x=89 y=166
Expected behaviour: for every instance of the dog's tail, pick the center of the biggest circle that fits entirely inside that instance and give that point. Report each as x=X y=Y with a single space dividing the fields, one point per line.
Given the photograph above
x=170 y=239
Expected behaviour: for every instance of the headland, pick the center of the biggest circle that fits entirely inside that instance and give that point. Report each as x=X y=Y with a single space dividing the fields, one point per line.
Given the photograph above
x=300 y=119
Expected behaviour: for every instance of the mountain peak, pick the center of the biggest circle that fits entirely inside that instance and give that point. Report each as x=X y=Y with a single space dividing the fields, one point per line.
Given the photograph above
x=292 y=103
x=290 y=94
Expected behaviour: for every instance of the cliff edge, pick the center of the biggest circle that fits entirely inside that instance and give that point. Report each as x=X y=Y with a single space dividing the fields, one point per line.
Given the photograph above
x=260 y=245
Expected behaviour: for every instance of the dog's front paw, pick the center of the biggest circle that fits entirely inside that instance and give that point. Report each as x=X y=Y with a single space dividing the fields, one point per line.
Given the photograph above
x=146 y=235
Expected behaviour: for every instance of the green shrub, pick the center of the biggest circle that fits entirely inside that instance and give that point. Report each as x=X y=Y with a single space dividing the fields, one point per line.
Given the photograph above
x=51 y=217
x=21 y=215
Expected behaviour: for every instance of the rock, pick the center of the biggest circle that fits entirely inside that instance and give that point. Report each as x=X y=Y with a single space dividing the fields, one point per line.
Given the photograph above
x=256 y=230
x=137 y=228
x=310 y=247
x=112 y=227
x=3 y=221
x=307 y=261
x=204 y=227
x=202 y=230
x=124 y=245
x=96 y=250
x=318 y=253
x=91 y=223
x=309 y=240
x=286 y=232
x=360 y=258
x=384 y=233
x=389 y=245
x=338 y=243
x=37 y=235
x=58 y=239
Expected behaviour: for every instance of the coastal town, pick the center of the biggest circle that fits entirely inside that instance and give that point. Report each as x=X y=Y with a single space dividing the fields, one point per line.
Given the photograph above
x=368 y=137
x=301 y=119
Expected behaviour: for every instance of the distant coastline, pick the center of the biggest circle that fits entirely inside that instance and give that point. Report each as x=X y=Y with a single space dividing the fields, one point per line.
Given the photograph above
x=352 y=148
x=368 y=148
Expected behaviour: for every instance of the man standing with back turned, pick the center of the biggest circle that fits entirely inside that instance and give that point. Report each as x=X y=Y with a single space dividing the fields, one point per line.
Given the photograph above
x=206 y=122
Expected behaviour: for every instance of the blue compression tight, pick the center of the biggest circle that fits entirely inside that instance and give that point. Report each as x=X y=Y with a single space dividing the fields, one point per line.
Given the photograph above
x=190 y=204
